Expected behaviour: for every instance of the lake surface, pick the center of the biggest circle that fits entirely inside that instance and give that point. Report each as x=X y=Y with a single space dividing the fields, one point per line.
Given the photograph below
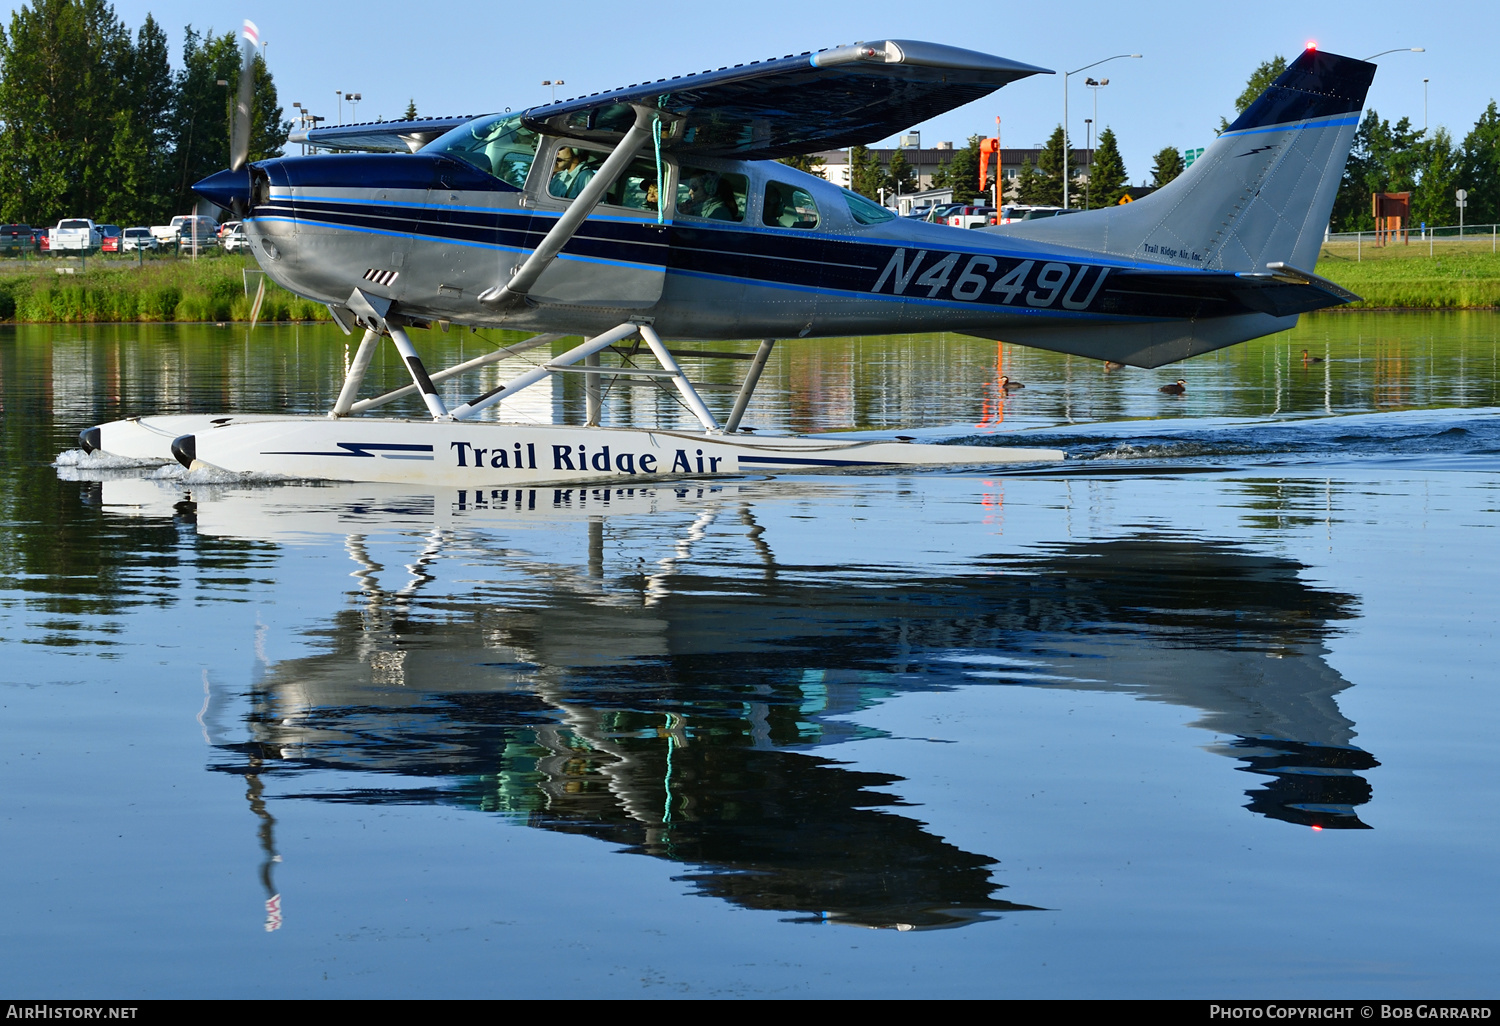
x=1208 y=710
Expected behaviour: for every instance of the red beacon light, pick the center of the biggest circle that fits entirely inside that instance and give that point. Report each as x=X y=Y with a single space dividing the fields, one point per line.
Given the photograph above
x=1311 y=45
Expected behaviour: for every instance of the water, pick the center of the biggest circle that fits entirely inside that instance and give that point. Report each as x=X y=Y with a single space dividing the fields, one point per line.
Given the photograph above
x=1207 y=711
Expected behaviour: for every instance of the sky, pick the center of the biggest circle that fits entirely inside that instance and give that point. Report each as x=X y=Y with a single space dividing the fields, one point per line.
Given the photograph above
x=467 y=57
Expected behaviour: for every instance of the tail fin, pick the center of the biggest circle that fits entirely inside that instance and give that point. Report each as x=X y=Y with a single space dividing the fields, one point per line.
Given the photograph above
x=1261 y=194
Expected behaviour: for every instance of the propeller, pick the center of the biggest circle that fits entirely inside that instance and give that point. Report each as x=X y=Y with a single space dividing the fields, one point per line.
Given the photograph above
x=239 y=138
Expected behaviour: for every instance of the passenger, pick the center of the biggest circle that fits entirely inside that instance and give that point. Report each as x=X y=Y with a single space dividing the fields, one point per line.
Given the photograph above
x=779 y=211
x=652 y=200
x=570 y=173
x=697 y=197
x=723 y=204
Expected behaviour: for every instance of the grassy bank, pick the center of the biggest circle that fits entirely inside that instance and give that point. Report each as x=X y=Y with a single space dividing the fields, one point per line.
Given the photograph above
x=1454 y=276
x=162 y=289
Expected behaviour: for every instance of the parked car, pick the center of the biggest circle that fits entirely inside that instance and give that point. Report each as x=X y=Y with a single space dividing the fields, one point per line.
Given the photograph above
x=17 y=239
x=1013 y=212
x=227 y=227
x=235 y=238
x=970 y=216
x=192 y=230
x=938 y=212
x=197 y=233
x=109 y=238
x=138 y=238
x=74 y=235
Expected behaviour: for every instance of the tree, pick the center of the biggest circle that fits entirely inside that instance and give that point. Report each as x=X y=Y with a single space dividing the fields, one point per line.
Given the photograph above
x=268 y=131
x=865 y=175
x=411 y=110
x=201 y=118
x=1260 y=79
x=152 y=96
x=807 y=162
x=1432 y=202
x=1479 y=170
x=1107 y=178
x=1167 y=167
x=1031 y=184
x=963 y=172
x=1384 y=158
x=1048 y=187
x=900 y=177
x=64 y=65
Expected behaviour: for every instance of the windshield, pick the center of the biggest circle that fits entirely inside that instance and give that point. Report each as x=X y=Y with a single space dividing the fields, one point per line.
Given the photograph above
x=498 y=145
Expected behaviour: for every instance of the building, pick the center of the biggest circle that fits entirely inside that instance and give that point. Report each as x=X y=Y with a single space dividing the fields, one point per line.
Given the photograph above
x=834 y=164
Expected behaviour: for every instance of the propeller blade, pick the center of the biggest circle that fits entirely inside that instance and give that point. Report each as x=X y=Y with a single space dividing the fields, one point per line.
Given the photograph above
x=239 y=139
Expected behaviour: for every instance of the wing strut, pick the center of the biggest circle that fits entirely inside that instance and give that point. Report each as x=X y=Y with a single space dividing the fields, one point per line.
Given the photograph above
x=567 y=225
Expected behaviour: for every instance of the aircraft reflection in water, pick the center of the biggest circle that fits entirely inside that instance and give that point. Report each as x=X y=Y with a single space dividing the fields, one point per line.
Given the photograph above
x=669 y=695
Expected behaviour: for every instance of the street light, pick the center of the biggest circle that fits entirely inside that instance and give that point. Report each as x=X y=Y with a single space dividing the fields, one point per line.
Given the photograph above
x=1066 y=75
x=1088 y=138
x=353 y=99
x=1424 y=106
x=1095 y=86
x=1399 y=49
x=340 y=94
x=554 y=83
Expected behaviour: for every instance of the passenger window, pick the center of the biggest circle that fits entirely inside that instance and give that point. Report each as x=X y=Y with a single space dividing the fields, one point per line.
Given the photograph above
x=636 y=188
x=498 y=145
x=789 y=207
x=572 y=169
x=711 y=194
x=866 y=211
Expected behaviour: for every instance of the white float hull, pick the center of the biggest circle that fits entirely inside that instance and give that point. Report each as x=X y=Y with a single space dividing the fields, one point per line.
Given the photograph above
x=468 y=454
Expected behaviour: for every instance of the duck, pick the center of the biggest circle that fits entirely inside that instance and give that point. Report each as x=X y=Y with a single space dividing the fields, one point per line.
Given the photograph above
x=1178 y=389
x=1008 y=385
x=1113 y=365
x=1310 y=359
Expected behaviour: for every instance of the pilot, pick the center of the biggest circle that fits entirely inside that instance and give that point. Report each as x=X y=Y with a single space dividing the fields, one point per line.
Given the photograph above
x=570 y=173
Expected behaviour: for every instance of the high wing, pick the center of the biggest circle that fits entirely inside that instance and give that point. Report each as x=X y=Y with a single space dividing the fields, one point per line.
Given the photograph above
x=380 y=136
x=846 y=96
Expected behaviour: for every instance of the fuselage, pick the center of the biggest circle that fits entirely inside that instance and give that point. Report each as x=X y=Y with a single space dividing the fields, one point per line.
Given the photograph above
x=777 y=253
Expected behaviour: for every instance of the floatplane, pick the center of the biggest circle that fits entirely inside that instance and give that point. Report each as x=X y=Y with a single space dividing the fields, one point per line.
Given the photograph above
x=655 y=215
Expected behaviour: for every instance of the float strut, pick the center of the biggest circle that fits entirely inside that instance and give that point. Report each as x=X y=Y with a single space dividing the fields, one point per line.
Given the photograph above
x=752 y=378
x=686 y=390
x=356 y=375
x=418 y=372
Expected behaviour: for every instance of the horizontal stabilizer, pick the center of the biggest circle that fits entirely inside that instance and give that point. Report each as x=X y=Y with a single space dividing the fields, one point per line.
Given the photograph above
x=846 y=96
x=1279 y=290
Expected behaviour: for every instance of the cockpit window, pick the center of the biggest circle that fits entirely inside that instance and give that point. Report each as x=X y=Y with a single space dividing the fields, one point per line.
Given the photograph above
x=498 y=145
x=866 y=211
x=789 y=207
x=712 y=194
